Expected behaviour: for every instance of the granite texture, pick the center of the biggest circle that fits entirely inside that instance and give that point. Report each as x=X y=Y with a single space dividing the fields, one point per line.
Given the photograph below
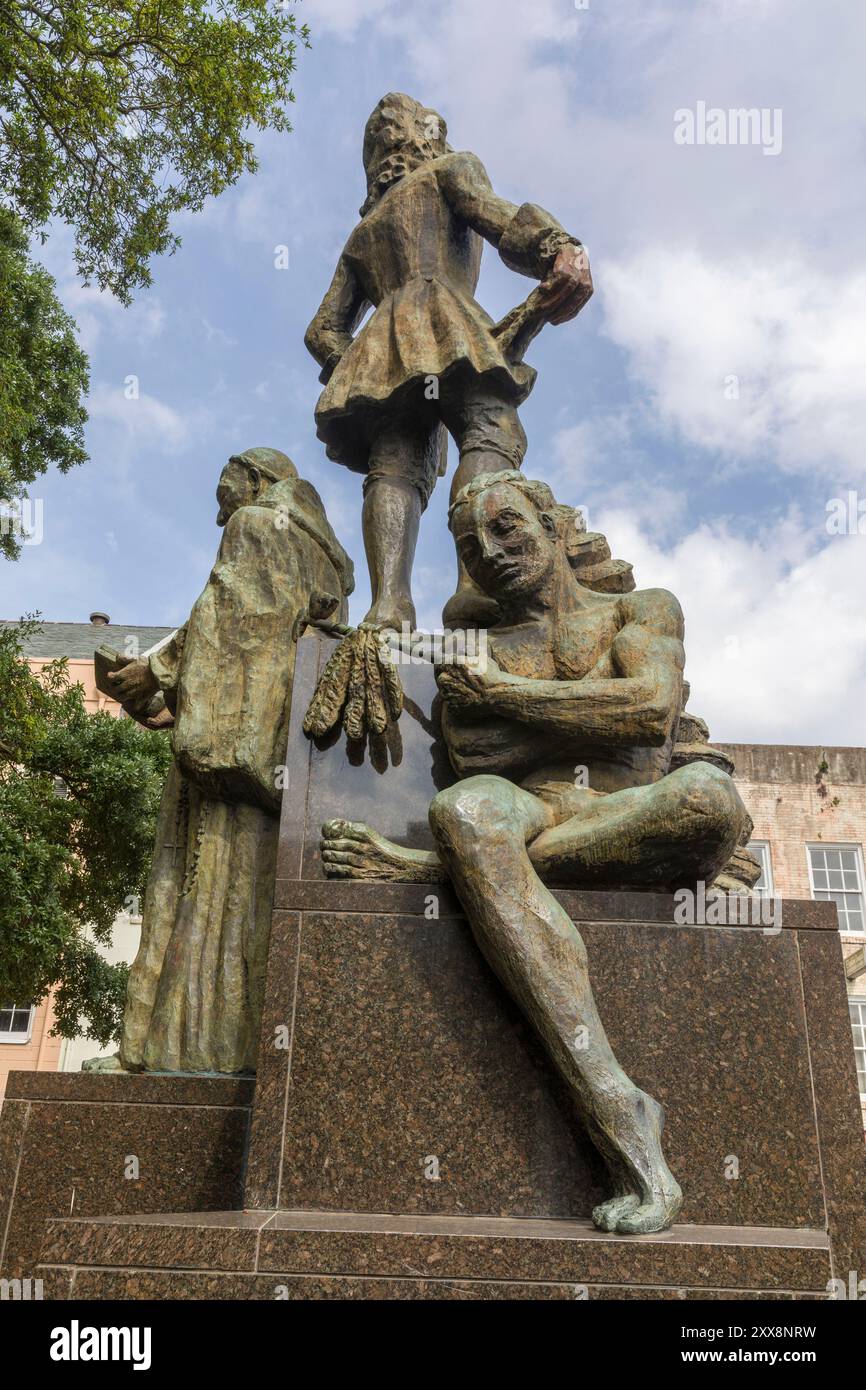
x=118 y=1088
x=68 y=1156
x=837 y=1109
x=343 y=1254
x=226 y=1242
x=347 y=895
x=264 y=1162
x=720 y=1040
x=101 y=1285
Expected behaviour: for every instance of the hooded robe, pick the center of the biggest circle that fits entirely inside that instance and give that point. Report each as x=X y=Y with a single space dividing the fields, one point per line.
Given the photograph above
x=196 y=987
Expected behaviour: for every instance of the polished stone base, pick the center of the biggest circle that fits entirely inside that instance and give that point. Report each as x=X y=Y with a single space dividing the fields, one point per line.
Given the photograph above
x=78 y=1143
x=396 y=1076
x=408 y=1137
x=344 y=1255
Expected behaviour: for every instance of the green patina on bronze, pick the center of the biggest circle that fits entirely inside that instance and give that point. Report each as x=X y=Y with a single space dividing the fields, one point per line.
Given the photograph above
x=224 y=684
x=562 y=739
x=429 y=359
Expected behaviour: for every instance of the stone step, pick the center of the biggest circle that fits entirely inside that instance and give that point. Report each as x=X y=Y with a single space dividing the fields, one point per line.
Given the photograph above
x=317 y=1254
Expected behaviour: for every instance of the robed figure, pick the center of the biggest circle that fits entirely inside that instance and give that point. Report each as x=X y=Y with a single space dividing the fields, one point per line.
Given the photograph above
x=225 y=680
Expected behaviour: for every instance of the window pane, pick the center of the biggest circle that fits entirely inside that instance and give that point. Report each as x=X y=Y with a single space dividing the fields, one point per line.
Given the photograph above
x=761 y=852
x=5 y=1020
x=858 y=1022
x=837 y=876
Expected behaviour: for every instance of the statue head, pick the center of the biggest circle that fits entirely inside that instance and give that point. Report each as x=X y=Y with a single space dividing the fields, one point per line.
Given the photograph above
x=400 y=135
x=505 y=532
x=246 y=476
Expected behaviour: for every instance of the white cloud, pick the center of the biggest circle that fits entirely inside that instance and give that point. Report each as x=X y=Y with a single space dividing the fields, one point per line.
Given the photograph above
x=97 y=312
x=748 y=357
x=775 y=625
x=579 y=453
x=343 y=17
x=145 y=420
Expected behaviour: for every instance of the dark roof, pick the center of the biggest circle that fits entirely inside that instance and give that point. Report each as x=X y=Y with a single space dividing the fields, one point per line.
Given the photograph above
x=82 y=639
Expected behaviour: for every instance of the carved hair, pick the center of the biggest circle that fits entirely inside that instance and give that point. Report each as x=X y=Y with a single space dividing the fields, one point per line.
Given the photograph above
x=429 y=142
x=539 y=494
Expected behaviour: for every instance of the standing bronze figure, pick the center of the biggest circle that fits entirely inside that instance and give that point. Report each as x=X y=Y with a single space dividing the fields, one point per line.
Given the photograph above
x=430 y=359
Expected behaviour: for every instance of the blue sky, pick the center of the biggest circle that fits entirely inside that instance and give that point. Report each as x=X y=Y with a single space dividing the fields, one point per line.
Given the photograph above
x=705 y=406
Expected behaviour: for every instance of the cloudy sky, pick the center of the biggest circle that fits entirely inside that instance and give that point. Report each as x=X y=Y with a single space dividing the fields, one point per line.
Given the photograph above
x=706 y=406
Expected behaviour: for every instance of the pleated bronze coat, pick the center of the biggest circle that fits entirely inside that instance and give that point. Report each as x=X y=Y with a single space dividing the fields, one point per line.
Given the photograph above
x=416 y=257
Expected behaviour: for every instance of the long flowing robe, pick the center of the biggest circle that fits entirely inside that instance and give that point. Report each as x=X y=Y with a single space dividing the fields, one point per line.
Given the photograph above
x=196 y=987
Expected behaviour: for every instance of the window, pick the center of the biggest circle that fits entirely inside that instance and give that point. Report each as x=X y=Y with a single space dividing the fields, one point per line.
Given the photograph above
x=761 y=850
x=858 y=1023
x=16 y=1022
x=836 y=875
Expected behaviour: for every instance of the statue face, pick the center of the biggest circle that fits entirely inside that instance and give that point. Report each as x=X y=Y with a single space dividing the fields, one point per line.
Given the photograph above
x=508 y=547
x=237 y=487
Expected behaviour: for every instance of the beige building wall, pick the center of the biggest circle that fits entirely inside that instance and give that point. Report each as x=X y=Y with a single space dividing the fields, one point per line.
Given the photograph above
x=40 y=1053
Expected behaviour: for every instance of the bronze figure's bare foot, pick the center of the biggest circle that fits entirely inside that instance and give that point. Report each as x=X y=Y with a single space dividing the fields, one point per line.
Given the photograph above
x=390 y=612
x=655 y=1198
x=351 y=849
x=607 y=1215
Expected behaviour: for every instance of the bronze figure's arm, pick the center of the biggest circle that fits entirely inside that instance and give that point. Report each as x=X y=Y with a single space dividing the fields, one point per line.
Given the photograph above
x=640 y=705
x=336 y=319
x=530 y=241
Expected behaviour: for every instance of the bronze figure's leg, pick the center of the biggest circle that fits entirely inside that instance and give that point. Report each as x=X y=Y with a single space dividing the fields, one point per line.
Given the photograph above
x=673 y=833
x=490 y=438
x=404 y=457
x=481 y=827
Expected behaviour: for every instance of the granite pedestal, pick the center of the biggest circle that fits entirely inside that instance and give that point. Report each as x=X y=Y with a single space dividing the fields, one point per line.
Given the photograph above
x=67 y=1140
x=408 y=1137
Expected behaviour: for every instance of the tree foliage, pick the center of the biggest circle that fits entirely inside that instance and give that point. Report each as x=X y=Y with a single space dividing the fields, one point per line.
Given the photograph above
x=79 y=793
x=114 y=117
x=42 y=381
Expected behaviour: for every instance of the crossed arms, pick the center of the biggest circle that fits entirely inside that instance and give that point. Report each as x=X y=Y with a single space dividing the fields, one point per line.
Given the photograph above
x=638 y=704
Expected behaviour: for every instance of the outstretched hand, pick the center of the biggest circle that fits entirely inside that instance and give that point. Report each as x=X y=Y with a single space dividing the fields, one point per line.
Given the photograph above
x=568 y=286
x=465 y=681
